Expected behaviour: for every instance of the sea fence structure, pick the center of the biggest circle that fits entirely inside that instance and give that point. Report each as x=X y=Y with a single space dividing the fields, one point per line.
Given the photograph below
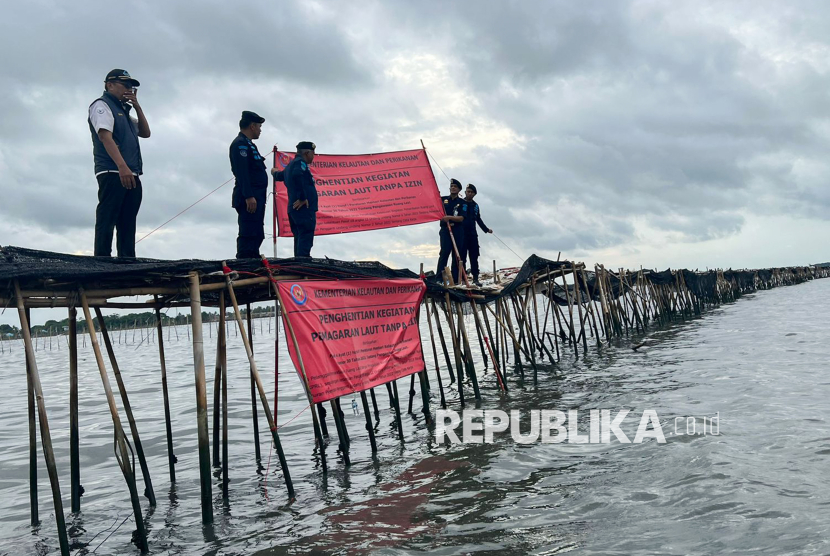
x=524 y=322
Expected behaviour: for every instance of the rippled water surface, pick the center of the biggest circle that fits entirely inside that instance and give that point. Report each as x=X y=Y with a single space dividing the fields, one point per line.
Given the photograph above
x=760 y=486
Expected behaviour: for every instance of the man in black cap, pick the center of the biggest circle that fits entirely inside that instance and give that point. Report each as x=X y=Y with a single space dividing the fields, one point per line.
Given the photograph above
x=118 y=164
x=251 y=187
x=471 y=247
x=302 y=199
x=455 y=210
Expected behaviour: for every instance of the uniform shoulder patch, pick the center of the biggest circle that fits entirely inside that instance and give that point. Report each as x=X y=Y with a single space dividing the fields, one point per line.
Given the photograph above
x=243 y=152
x=303 y=165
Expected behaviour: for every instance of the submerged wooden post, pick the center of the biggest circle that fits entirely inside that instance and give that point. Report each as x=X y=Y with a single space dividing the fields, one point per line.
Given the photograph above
x=262 y=396
x=74 y=437
x=201 y=399
x=45 y=435
x=369 y=428
x=122 y=451
x=171 y=458
x=30 y=390
x=443 y=342
x=125 y=401
x=223 y=350
x=217 y=400
x=254 y=415
x=435 y=358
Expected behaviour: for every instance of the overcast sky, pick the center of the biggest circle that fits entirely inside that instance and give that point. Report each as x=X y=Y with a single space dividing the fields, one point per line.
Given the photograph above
x=682 y=134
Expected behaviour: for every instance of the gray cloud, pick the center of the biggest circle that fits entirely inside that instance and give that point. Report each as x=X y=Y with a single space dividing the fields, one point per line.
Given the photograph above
x=584 y=125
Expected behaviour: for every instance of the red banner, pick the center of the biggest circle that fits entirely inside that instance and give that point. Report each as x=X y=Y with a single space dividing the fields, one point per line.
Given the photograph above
x=353 y=334
x=367 y=192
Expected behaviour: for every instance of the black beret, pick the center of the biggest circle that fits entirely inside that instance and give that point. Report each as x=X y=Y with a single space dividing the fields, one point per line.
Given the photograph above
x=473 y=187
x=252 y=117
x=455 y=182
x=306 y=145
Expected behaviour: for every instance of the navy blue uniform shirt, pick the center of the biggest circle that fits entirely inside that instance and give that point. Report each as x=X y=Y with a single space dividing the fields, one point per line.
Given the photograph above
x=454 y=207
x=473 y=217
x=300 y=184
x=248 y=168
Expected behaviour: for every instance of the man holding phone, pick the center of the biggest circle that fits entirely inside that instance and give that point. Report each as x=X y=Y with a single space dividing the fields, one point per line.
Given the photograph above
x=118 y=164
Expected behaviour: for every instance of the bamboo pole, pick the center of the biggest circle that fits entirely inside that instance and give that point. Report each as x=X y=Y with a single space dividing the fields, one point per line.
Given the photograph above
x=254 y=415
x=435 y=357
x=468 y=352
x=217 y=400
x=45 y=435
x=74 y=436
x=168 y=427
x=128 y=411
x=263 y=398
x=201 y=399
x=458 y=364
x=223 y=348
x=370 y=430
x=443 y=342
x=30 y=390
x=122 y=452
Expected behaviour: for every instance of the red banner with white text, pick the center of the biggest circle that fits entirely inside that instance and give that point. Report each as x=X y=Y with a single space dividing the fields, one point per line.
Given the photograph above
x=353 y=334
x=367 y=192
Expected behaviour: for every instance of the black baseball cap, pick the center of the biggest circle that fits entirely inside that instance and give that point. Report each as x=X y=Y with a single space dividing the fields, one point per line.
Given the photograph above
x=252 y=117
x=122 y=76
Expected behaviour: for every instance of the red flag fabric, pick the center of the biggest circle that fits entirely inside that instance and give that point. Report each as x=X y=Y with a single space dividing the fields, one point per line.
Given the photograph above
x=353 y=334
x=367 y=191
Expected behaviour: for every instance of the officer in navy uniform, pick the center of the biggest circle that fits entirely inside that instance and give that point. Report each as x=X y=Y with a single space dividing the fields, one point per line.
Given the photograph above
x=455 y=210
x=302 y=199
x=118 y=164
x=471 y=247
x=251 y=187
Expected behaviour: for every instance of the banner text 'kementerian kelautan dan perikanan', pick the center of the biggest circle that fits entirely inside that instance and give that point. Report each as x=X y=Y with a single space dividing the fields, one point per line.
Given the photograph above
x=353 y=334
x=367 y=192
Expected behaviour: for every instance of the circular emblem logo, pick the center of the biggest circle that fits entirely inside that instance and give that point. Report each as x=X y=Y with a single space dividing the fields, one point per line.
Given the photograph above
x=298 y=294
x=283 y=160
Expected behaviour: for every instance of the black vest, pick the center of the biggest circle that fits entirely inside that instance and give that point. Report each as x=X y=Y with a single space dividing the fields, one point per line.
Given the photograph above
x=125 y=135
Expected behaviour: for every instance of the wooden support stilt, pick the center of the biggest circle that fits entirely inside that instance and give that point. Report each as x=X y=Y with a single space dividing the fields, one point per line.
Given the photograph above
x=374 y=404
x=411 y=393
x=122 y=451
x=468 y=352
x=455 y=347
x=397 y=403
x=171 y=457
x=254 y=416
x=30 y=390
x=266 y=409
x=370 y=430
x=45 y=435
x=443 y=342
x=435 y=357
x=217 y=402
x=74 y=434
x=128 y=411
x=341 y=432
x=321 y=412
x=201 y=399
x=223 y=364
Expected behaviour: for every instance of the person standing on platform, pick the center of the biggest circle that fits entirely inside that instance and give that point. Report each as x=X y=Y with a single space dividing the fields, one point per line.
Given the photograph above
x=118 y=164
x=471 y=247
x=302 y=198
x=455 y=211
x=251 y=186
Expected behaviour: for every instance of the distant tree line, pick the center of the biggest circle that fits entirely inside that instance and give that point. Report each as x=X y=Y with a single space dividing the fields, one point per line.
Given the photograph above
x=133 y=320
